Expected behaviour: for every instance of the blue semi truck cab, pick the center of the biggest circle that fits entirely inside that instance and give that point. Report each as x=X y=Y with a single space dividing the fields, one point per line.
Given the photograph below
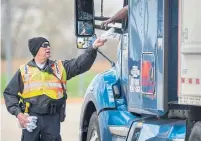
x=153 y=91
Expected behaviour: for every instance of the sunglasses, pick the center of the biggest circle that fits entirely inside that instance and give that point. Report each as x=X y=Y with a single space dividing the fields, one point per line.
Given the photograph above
x=45 y=45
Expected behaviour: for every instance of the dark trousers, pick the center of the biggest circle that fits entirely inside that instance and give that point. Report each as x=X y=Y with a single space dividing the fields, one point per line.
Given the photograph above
x=48 y=129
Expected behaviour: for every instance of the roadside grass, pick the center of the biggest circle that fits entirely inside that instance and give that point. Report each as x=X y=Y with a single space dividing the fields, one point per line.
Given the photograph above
x=76 y=87
x=3 y=83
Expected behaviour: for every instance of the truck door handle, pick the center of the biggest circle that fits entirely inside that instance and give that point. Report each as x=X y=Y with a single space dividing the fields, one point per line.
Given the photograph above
x=151 y=74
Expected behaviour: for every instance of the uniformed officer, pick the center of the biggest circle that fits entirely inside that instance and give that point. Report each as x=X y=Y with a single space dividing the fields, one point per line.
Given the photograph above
x=38 y=89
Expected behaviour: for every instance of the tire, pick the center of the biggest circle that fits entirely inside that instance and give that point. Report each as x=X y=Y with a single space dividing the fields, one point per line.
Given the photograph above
x=93 y=133
x=195 y=133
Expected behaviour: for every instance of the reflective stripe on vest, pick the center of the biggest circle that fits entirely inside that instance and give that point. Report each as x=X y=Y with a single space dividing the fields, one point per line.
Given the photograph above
x=34 y=85
x=37 y=83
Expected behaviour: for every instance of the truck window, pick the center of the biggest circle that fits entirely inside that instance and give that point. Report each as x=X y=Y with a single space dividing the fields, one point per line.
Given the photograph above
x=107 y=4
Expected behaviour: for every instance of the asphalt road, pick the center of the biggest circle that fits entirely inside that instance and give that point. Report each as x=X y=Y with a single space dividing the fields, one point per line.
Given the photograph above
x=69 y=129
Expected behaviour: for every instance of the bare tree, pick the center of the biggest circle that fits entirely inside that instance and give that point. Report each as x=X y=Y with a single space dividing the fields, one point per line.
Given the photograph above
x=49 y=18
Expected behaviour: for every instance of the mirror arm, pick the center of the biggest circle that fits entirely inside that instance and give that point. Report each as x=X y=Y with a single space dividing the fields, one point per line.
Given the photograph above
x=105 y=18
x=111 y=62
x=101 y=18
x=117 y=30
x=101 y=8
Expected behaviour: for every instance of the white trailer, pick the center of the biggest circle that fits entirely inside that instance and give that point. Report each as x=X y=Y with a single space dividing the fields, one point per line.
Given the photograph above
x=189 y=82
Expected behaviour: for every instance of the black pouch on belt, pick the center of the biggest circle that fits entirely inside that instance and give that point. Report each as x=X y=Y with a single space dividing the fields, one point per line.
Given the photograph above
x=58 y=106
x=62 y=113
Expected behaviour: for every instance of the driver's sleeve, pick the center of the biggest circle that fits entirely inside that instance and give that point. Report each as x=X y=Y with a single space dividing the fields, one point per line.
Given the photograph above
x=80 y=64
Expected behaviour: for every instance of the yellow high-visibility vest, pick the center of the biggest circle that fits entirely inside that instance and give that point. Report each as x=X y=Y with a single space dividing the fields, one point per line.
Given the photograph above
x=38 y=83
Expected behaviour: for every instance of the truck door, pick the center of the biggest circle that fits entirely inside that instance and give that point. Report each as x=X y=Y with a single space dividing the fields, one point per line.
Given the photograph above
x=147 y=39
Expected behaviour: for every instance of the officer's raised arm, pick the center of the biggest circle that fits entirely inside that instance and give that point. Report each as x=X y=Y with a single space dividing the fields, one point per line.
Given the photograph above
x=83 y=62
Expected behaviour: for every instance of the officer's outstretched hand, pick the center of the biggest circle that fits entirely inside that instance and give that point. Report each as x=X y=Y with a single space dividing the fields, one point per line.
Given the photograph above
x=98 y=43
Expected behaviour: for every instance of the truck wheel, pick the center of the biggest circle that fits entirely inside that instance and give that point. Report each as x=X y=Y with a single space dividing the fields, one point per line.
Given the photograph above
x=93 y=133
x=195 y=133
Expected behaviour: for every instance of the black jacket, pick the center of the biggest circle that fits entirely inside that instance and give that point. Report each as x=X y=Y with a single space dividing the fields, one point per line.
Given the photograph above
x=73 y=67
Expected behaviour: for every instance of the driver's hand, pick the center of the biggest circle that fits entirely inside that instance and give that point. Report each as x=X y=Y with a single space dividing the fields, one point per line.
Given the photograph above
x=106 y=22
x=98 y=43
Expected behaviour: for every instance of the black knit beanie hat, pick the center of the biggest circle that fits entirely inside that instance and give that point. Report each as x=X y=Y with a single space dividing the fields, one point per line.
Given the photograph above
x=35 y=44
